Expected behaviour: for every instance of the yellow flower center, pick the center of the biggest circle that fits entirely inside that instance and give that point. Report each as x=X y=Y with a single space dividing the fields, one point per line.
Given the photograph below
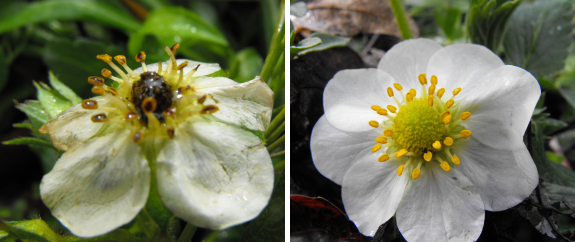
x=417 y=125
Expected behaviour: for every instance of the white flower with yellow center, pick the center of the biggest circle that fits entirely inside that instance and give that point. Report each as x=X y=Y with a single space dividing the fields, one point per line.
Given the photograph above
x=189 y=127
x=433 y=135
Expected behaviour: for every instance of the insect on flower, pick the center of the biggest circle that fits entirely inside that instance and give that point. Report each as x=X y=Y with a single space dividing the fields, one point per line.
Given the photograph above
x=179 y=125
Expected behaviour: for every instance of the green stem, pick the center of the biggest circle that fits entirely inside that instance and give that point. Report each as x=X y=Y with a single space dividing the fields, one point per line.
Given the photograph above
x=401 y=18
x=280 y=118
x=280 y=166
x=276 y=49
x=276 y=133
x=278 y=154
x=277 y=143
x=188 y=233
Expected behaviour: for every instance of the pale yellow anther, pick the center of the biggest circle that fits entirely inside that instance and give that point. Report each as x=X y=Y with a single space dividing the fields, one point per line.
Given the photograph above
x=465 y=115
x=415 y=173
x=445 y=166
x=375 y=107
x=456 y=91
x=381 y=139
x=383 y=158
x=448 y=141
x=436 y=145
x=400 y=170
x=374 y=123
x=390 y=92
x=382 y=111
x=408 y=97
x=431 y=89
x=445 y=113
x=430 y=101
x=397 y=86
x=427 y=156
x=392 y=109
x=450 y=103
x=412 y=92
x=388 y=132
x=376 y=148
x=465 y=133
x=434 y=80
x=447 y=119
x=422 y=79
x=440 y=92
x=455 y=160
x=400 y=153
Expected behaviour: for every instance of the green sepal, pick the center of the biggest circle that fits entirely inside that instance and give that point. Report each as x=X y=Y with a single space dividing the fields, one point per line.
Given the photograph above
x=52 y=101
x=34 y=110
x=64 y=90
x=29 y=141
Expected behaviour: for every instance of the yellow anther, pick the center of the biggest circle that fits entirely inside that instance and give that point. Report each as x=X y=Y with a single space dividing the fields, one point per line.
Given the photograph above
x=449 y=103
x=412 y=92
x=431 y=89
x=434 y=80
x=105 y=57
x=465 y=133
x=376 y=148
x=374 y=123
x=440 y=92
x=375 y=107
x=388 y=132
x=415 y=173
x=397 y=86
x=408 y=97
x=392 y=109
x=455 y=160
x=430 y=100
x=400 y=170
x=445 y=113
x=456 y=91
x=436 y=145
x=447 y=119
x=448 y=141
x=427 y=156
x=390 y=92
x=381 y=139
x=383 y=158
x=445 y=166
x=400 y=153
x=422 y=79
x=465 y=115
x=382 y=111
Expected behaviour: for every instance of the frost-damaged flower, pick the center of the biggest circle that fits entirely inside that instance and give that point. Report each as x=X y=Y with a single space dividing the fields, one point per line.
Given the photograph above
x=210 y=171
x=435 y=153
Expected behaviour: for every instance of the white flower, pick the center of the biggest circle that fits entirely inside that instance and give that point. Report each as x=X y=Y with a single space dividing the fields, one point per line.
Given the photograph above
x=177 y=121
x=439 y=167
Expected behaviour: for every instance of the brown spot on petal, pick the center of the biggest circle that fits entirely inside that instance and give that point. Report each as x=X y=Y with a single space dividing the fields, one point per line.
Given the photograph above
x=209 y=109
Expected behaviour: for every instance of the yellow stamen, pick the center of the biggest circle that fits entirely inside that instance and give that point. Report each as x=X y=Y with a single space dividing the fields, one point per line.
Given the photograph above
x=415 y=173
x=436 y=145
x=448 y=141
x=408 y=97
x=440 y=92
x=465 y=133
x=431 y=89
x=450 y=103
x=383 y=158
x=397 y=86
x=375 y=107
x=456 y=91
x=400 y=170
x=445 y=166
x=445 y=113
x=376 y=148
x=381 y=139
x=400 y=153
x=430 y=100
x=392 y=109
x=434 y=80
x=382 y=111
x=427 y=156
x=412 y=92
x=447 y=119
x=390 y=92
x=422 y=79
x=465 y=115
x=455 y=160
x=374 y=123
x=388 y=132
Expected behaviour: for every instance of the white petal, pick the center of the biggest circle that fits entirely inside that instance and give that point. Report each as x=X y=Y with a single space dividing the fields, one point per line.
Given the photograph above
x=334 y=151
x=74 y=126
x=440 y=206
x=348 y=97
x=505 y=101
x=462 y=65
x=214 y=175
x=406 y=60
x=371 y=192
x=99 y=186
x=246 y=104
x=203 y=70
x=504 y=175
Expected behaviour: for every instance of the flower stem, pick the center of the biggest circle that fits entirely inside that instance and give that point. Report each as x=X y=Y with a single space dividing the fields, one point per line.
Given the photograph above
x=278 y=154
x=278 y=119
x=277 y=143
x=276 y=49
x=276 y=133
x=188 y=233
x=280 y=166
x=401 y=18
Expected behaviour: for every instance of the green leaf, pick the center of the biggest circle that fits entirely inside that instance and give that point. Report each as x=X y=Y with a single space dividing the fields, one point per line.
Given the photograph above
x=487 y=19
x=169 y=25
x=568 y=94
x=34 y=110
x=101 y=12
x=51 y=100
x=270 y=225
x=327 y=41
x=29 y=141
x=549 y=171
x=232 y=234
x=549 y=125
x=554 y=157
x=245 y=65
x=64 y=90
x=538 y=36
x=34 y=230
x=305 y=44
x=449 y=19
